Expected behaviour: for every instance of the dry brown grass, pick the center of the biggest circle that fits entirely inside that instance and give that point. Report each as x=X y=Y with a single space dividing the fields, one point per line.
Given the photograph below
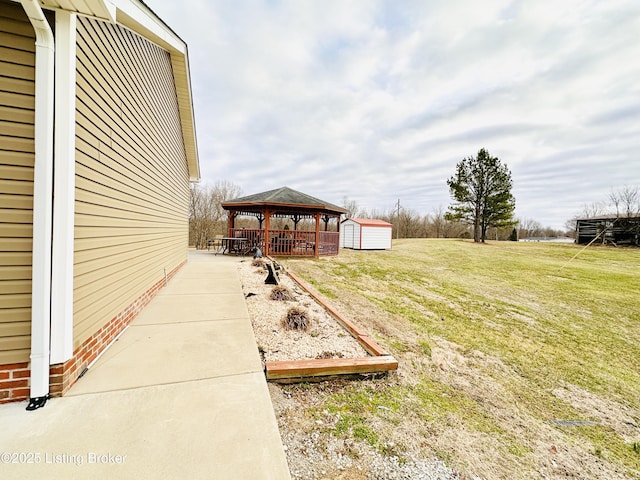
x=495 y=343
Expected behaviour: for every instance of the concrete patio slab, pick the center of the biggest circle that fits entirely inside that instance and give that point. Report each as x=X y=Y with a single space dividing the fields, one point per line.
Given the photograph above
x=220 y=428
x=191 y=285
x=160 y=354
x=192 y=308
x=181 y=394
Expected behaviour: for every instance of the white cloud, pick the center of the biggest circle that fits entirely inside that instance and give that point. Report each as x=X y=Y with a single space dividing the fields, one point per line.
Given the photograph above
x=379 y=100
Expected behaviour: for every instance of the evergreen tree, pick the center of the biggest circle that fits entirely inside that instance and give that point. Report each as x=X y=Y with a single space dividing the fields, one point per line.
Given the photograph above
x=481 y=188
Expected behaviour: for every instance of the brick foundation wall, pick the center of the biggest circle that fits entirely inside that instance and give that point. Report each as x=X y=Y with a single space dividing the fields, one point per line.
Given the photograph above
x=14 y=378
x=14 y=382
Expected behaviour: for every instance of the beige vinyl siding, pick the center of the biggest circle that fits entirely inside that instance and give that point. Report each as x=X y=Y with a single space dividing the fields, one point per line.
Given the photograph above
x=132 y=188
x=17 y=105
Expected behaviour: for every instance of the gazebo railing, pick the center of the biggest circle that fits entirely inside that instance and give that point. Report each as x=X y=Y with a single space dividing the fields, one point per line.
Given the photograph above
x=329 y=243
x=300 y=243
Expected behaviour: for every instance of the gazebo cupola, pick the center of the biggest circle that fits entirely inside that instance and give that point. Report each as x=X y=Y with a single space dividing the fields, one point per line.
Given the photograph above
x=316 y=223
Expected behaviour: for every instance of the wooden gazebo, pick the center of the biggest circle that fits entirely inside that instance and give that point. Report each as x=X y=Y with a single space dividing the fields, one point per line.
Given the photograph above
x=313 y=232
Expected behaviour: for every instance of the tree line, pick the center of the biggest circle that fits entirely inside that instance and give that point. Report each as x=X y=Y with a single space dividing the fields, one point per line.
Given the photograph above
x=483 y=208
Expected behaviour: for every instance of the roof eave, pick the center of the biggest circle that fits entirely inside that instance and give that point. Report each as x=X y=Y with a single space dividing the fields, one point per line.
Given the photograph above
x=237 y=206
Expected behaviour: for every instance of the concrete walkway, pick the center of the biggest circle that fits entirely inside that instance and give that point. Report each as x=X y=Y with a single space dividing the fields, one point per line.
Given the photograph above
x=180 y=395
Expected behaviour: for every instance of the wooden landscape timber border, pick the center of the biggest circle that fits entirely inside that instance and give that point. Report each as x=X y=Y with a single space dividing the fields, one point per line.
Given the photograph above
x=288 y=371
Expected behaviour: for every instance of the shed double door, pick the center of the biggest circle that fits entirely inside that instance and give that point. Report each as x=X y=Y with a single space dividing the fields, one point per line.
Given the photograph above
x=348 y=238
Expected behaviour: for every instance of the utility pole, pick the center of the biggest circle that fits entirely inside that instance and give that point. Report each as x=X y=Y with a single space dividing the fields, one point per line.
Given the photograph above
x=398 y=214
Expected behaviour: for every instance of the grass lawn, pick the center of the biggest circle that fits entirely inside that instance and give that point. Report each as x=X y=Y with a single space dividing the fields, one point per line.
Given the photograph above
x=516 y=361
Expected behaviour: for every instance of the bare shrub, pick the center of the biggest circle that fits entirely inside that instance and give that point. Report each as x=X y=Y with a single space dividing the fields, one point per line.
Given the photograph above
x=257 y=262
x=297 y=319
x=281 y=293
x=328 y=354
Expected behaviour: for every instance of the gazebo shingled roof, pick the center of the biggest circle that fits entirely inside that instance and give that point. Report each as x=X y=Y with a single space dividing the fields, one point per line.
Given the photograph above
x=282 y=197
x=286 y=202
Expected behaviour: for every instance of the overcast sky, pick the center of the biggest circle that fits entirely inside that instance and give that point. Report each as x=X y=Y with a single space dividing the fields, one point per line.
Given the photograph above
x=378 y=100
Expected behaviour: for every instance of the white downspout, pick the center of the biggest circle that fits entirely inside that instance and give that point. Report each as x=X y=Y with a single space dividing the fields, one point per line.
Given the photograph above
x=42 y=206
x=64 y=190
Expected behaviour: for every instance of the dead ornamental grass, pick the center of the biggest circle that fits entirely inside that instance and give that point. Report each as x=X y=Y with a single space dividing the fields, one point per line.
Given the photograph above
x=494 y=342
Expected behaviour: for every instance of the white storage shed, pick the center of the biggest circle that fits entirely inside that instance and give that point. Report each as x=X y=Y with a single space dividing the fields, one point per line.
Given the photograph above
x=365 y=234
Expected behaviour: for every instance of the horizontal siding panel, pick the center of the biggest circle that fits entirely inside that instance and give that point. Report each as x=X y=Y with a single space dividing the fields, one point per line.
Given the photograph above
x=20 y=243
x=15 y=329
x=19 y=42
x=17 y=144
x=8 y=215
x=10 y=287
x=15 y=201
x=17 y=273
x=94 y=130
x=95 y=192
x=17 y=57
x=17 y=187
x=108 y=249
x=88 y=272
x=131 y=234
x=14 y=114
x=166 y=198
x=14 y=356
x=87 y=220
x=10 y=315
x=127 y=86
x=16 y=159
x=18 y=100
x=106 y=216
x=114 y=156
x=9 y=230
x=17 y=86
x=22 y=342
x=15 y=129
x=11 y=70
x=11 y=172
x=15 y=22
x=12 y=259
x=114 y=174
x=15 y=301
x=87 y=244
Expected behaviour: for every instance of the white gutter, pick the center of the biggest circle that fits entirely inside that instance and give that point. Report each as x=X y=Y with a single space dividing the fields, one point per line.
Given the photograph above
x=42 y=206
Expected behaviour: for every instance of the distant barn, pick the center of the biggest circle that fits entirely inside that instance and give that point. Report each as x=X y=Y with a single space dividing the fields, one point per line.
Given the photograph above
x=365 y=234
x=612 y=229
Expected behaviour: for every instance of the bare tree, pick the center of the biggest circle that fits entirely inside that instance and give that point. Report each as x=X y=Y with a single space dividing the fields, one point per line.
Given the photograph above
x=589 y=210
x=529 y=228
x=409 y=224
x=353 y=209
x=206 y=215
x=438 y=222
x=626 y=201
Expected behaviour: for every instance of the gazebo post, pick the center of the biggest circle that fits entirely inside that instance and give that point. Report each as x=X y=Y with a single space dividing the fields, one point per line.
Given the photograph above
x=267 y=227
x=317 y=253
x=231 y=223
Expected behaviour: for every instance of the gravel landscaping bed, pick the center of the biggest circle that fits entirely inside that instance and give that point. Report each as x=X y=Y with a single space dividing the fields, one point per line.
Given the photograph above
x=325 y=337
